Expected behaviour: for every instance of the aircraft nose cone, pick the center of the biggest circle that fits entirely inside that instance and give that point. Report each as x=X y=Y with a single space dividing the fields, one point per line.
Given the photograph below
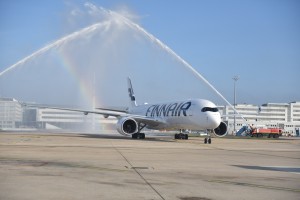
x=214 y=120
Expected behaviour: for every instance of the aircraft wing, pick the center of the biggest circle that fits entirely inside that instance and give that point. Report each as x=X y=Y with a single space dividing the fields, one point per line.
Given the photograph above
x=105 y=113
x=115 y=109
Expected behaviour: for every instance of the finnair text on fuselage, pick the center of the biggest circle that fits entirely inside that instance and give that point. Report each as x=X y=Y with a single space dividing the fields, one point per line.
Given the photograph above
x=172 y=109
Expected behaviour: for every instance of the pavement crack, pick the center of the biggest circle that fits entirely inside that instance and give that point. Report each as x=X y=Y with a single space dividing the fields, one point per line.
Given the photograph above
x=135 y=169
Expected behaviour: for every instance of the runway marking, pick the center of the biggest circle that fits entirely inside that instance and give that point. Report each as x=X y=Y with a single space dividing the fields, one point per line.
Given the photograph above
x=254 y=185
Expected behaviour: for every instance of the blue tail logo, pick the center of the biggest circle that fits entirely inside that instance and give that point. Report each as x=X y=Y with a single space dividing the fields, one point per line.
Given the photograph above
x=131 y=93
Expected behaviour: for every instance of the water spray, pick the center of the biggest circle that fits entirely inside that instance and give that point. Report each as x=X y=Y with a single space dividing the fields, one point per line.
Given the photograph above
x=171 y=52
x=55 y=44
x=117 y=17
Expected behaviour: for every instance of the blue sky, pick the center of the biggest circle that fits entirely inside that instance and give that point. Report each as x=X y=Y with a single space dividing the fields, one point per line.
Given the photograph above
x=255 y=39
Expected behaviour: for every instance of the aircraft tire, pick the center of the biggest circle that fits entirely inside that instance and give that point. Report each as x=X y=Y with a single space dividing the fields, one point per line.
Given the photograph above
x=186 y=137
x=205 y=140
x=138 y=136
x=181 y=136
x=209 y=140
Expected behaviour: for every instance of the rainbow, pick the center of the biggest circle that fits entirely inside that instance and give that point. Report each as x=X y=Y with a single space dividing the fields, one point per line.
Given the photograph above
x=86 y=92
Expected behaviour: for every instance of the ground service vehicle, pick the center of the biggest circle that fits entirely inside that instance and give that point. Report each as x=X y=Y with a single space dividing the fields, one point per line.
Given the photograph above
x=269 y=132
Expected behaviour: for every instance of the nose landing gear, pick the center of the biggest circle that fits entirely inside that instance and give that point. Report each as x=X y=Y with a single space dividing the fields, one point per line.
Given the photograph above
x=207 y=140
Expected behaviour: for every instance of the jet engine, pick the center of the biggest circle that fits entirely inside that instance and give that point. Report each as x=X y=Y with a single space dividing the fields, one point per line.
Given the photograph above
x=221 y=130
x=127 y=126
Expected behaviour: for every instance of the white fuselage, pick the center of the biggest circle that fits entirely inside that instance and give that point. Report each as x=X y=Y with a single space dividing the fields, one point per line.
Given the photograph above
x=195 y=114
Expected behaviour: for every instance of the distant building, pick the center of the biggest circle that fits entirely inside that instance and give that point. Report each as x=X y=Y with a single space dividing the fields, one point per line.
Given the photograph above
x=29 y=117
x=281 y=115
x=11 y=113
x=51 y=118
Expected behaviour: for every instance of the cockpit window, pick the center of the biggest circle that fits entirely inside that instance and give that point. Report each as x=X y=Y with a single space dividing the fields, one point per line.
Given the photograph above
x=205 y=109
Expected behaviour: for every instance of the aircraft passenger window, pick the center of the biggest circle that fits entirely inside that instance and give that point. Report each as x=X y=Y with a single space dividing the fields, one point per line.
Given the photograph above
x=205 y=109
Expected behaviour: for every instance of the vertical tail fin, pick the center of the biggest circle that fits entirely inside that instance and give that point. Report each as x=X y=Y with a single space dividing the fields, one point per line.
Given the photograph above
x=131 y=93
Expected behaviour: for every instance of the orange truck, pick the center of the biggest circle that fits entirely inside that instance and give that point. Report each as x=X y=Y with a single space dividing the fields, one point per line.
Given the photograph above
x=269 y=132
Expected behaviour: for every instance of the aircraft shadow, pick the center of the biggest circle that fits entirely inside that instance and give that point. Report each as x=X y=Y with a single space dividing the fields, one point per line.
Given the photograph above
x=271 y=168
x=120 y=137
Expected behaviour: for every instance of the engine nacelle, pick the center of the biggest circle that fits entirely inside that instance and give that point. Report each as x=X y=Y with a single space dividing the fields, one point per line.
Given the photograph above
x=127 y=126
x=221 y=130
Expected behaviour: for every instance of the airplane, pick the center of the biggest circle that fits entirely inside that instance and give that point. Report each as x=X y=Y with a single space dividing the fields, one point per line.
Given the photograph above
x=192 y=114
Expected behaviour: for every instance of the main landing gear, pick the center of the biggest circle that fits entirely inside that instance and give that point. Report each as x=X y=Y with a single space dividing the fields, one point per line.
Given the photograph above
x=139 y=135
x=181 y=136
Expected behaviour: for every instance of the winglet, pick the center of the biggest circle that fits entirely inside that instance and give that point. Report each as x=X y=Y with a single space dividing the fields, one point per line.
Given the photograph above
x=131 y=93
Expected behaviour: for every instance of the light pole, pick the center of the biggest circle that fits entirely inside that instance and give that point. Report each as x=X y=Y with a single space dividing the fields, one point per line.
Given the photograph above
x=235 y=78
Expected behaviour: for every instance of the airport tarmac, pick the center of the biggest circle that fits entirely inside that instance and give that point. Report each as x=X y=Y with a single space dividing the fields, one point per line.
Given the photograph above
x=109 y=166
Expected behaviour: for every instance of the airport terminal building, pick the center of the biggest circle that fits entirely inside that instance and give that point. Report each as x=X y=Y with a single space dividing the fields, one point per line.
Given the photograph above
x=62 y=119
x=11 y=113
x=270 y=115
x=13 y=116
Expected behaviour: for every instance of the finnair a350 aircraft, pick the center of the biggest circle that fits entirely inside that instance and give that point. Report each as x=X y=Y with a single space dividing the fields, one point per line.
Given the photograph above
x=193 y=114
